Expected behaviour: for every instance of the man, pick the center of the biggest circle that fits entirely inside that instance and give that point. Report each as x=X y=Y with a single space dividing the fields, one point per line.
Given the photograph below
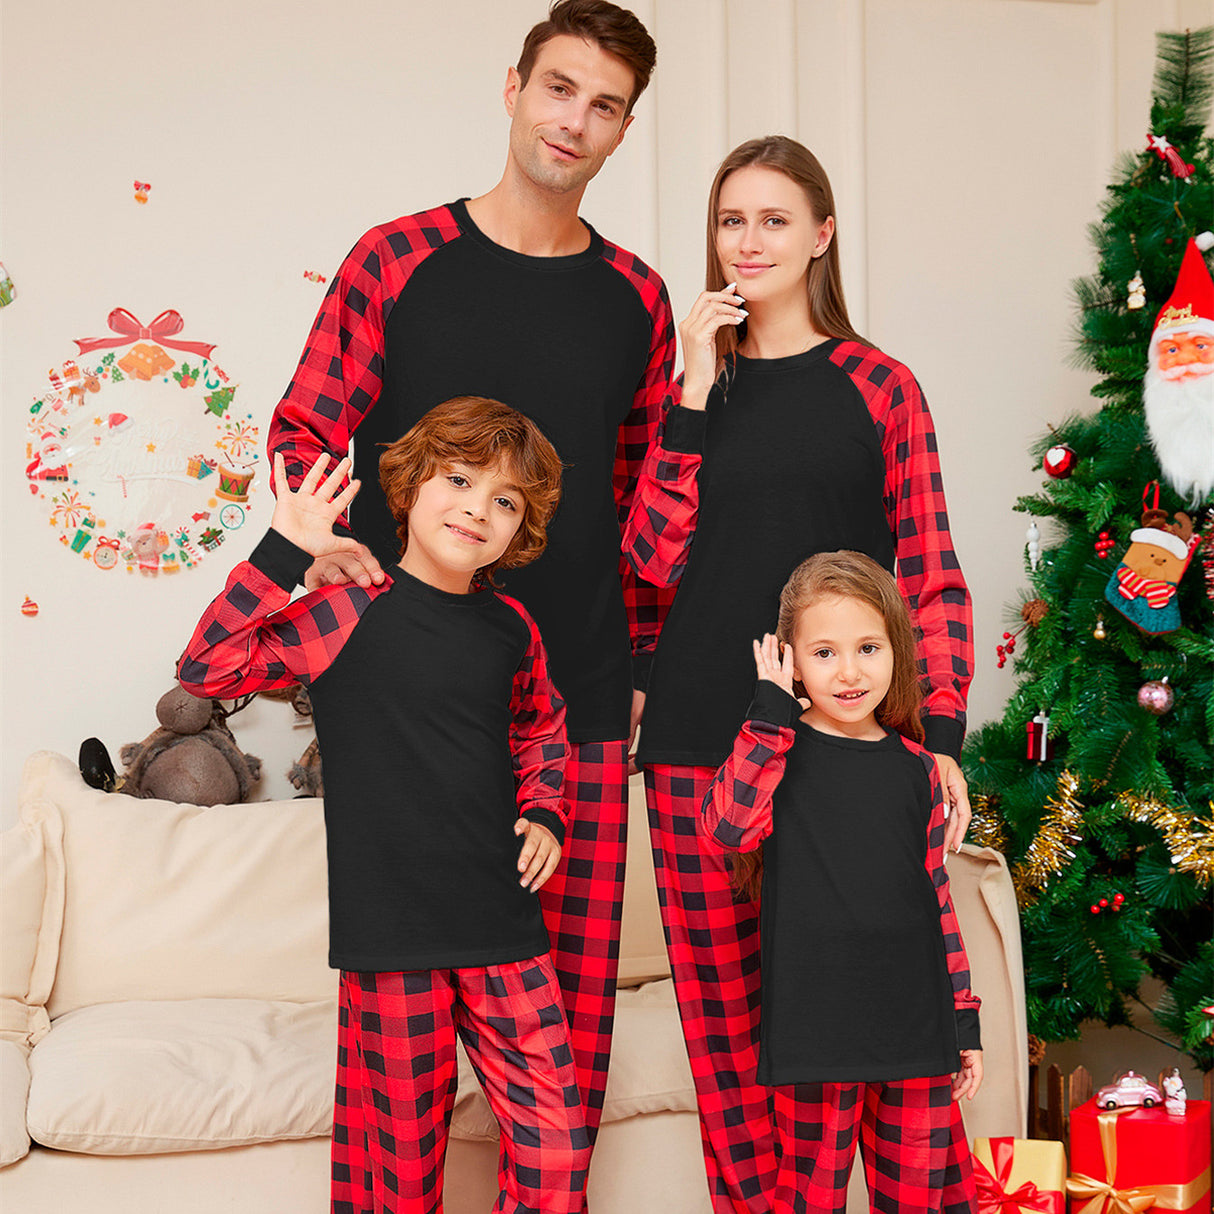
x=512 y=296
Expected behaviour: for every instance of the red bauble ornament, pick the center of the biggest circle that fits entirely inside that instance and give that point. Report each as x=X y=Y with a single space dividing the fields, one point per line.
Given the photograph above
x=1156 y=696
x=1060 y=461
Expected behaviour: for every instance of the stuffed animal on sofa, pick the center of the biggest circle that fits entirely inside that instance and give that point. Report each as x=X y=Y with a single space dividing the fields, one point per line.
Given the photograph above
x=192 y=758
x=305 y=773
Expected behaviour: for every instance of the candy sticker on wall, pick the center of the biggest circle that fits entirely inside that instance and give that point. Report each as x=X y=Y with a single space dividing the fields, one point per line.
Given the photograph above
x=141 y=191
x=139 y=448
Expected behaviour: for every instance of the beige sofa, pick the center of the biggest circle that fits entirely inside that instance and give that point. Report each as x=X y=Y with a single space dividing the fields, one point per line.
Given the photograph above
x=167 y=1022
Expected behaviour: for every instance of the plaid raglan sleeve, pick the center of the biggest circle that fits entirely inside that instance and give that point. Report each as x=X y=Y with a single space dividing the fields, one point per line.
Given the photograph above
x=736 y=811
x=645 y=602
x=929 y=573
x=965 y=1002
x=666 y=504
x=539 y=747
x=340 y=372
x=253 y=638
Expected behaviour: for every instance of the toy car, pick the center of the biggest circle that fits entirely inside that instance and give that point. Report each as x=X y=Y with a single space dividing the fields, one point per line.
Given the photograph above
x=1129 y=1089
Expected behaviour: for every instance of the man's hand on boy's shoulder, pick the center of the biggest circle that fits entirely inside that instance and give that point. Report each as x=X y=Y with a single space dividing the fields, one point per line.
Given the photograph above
x=351 y=562
x=540 y=853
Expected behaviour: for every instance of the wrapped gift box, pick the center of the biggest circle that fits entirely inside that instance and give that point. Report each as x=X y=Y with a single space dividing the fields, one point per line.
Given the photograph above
x=1020 y=1176
x=1122 y=1158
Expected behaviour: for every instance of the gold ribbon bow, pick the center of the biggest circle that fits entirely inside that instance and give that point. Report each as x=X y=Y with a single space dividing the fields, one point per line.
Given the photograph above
x=1105 y=1199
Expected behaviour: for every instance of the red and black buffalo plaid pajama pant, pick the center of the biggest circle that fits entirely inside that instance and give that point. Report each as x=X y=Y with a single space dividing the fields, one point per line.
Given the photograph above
x=396 y=1082
x=582 y=904
x=713 y=943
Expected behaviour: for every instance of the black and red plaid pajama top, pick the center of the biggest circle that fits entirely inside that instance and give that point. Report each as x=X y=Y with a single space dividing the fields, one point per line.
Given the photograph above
x=829 y=449
x=426 y=308
x=865 y=974
x=439 y=727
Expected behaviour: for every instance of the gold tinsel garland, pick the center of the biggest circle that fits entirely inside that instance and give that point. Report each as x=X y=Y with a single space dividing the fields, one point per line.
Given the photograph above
x=1189 y=839
x=988 y=827
x=1049 y=852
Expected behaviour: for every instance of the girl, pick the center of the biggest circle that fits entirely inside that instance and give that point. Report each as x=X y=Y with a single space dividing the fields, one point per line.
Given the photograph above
x=444 y=746
x=865 y=991
x=792 y=436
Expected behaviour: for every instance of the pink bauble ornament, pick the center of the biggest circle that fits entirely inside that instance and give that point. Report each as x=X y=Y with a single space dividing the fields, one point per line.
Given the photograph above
x=1156 y=696
x=1060 y=461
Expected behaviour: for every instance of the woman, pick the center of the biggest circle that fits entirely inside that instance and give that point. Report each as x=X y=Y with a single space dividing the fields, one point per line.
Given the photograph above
x=792 y=435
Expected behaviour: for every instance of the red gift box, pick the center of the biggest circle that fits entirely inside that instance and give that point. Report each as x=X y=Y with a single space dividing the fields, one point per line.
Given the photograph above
x=1125 y=1160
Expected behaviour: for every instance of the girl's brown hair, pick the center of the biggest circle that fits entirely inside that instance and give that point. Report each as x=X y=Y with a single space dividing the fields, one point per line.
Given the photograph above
x=477 y=432
x=849 y=575
x=613 y=29
x=827 y=306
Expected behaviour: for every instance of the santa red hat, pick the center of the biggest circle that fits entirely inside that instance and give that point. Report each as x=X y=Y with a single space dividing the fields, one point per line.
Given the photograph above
x=1191 y=306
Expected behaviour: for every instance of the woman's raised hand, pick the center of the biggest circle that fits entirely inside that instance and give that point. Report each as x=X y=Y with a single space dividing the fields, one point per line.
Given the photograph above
x=697 y=335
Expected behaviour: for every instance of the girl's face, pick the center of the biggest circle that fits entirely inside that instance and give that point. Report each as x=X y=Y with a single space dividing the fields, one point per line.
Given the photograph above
x=463 y=519
x=767 y=235
x=843 y=658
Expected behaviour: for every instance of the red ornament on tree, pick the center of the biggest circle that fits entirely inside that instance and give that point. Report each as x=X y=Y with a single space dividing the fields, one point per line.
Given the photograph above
x=1060 y=461
x=1156 y=696
x=1104 y=545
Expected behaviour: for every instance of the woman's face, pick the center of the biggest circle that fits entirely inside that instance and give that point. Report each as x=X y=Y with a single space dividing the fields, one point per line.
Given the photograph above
x=767 y=235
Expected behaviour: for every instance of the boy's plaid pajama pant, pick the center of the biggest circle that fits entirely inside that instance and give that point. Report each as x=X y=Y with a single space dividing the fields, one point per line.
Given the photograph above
x=396 y=1082
x=713 y=942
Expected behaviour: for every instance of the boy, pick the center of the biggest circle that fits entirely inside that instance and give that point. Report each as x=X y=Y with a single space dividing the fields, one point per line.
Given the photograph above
x=439 y=729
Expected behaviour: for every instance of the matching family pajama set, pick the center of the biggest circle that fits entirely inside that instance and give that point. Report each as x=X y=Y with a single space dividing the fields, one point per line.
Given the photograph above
x=866 y=999
x=830 y=449
x=426 y=308
x=439 y=727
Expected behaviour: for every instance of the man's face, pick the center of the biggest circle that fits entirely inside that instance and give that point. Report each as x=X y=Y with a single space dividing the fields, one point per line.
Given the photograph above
x=570 y=116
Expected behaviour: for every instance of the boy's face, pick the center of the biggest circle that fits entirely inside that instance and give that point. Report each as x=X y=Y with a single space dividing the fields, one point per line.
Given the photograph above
x=463 y=519
x=570 y=116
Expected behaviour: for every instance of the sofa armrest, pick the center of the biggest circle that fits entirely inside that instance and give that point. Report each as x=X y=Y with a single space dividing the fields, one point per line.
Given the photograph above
x=14 y=1095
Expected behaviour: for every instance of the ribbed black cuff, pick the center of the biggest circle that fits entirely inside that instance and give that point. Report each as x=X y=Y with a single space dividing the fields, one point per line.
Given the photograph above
x=546 y=817
x=969 y=1036
x=774 y=705
x=683 y=430
x=283 y=562
x=944 y=736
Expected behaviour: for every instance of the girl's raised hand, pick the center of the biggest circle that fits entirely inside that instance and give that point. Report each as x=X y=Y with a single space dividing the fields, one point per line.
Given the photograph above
x=697 y=336
x=771 y=664
x=306 y=516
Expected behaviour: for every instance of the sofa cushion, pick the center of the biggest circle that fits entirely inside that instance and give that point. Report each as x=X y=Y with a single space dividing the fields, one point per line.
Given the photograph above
x=168 y=901
x=195 y=1074
x=31 y=910
x=14 y=1087
x=649 y=1071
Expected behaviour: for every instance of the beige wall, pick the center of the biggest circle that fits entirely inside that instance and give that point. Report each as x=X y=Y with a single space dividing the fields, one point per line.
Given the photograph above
x=969 y=142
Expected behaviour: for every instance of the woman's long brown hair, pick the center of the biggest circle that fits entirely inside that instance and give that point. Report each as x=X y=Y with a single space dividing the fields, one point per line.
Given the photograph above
x=827 y=306
x=850 y=575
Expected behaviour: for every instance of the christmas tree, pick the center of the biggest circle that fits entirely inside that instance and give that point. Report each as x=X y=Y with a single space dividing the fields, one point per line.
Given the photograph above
x=1098 y=782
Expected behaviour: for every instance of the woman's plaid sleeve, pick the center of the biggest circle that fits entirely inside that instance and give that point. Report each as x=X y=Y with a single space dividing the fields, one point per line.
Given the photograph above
x=929 y=573
x=964 y=1000
x=645 y=601
x=539 y=747
x=736 y=810
x=253 y=638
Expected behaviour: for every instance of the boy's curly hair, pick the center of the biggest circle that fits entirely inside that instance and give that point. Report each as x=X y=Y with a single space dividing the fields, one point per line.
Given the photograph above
x=477 y=432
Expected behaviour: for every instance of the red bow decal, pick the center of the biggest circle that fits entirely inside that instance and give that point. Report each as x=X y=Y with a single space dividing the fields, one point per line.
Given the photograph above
x=129 y=329
x=993 y=1197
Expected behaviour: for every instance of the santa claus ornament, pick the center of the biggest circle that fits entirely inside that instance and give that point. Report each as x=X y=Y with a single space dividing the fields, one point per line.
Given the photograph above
x=1143 y=586
x=1178 y=389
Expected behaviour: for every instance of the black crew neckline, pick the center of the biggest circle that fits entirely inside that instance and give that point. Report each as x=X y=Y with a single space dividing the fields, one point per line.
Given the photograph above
x=412 y=583
x=571 y=261
x=891 y=741
x=790 y=362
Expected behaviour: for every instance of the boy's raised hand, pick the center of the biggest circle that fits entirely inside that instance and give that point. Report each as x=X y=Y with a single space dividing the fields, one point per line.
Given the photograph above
x=540 y=853
x=305 y=516
x=770 y=664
